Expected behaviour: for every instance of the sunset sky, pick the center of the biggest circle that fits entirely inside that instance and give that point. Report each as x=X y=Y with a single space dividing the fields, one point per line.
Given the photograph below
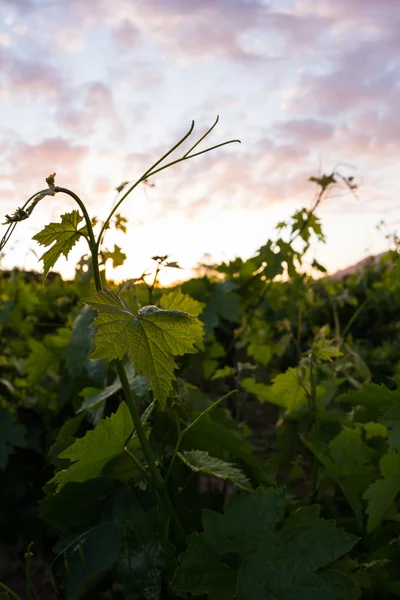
x=97 y=91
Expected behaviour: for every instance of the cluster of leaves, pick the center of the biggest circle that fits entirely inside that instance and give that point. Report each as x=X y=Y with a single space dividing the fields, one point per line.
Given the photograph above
x=288 y=488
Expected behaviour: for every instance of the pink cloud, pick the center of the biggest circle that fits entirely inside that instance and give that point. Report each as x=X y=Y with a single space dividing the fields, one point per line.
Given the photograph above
x=30 y=79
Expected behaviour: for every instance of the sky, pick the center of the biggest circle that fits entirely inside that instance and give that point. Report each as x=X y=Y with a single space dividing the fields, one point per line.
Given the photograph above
x=97 y=91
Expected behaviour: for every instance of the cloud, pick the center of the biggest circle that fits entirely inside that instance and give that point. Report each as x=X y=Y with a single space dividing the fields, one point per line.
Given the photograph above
x=30 y=79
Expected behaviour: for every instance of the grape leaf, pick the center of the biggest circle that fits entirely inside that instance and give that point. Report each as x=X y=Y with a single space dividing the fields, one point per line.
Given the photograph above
x=92 y=452
x=12 y=435
x=201 y=572
x=151 y=338
x=374 y=396
x=177 y=300
x=224 y=303
x=45 y=355
x=326 y=350
x=77 y=354
x=89 y=556
x=381 y=494
x=94 y=398
x=347 y=460
x=269 y=561
x=286 y=390
x=64 y=234
x=391 y=419
x=211 y=436
x=117 y=256
x=198 y=460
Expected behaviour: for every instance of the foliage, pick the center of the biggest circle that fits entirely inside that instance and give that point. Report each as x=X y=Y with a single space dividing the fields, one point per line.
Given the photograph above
x=120 y=428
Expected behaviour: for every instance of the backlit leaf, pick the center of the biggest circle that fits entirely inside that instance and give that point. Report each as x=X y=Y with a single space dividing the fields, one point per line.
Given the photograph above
x=91 y=453
x=62 y=235
x=151 y=338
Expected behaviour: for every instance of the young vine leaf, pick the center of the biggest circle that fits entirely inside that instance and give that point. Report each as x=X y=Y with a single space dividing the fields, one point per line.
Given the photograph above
x=151 y=338
x=64 y=234
x=286 y=390
x=198 y=460
x=98 y=447
x=268 y=561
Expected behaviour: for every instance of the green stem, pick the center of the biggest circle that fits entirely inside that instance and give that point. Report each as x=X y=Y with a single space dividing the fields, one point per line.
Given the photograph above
x=7 y=589
x=184 y=432
x=156 y=476
x=355 y=316
x=314 y=408
x=153 y=169
x=92 y=242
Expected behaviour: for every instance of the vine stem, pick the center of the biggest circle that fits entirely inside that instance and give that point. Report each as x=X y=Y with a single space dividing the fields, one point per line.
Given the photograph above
x=8 y=591
x=156 y=477
x=314 y=408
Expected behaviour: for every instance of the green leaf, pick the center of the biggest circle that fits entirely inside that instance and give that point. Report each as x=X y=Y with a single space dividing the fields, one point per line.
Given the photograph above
x=78 y=351
x=201 y=571
x=325 y=350
x=12 y=436
x=123 y=467
x=211 y=436
x=92 y=452
x=62 y=235
x=117 y=256
x=223 y=303
x=268 y=561
x=177 y=300
x=45 y=356
x=90 y=556
x=347 y=460
x=151 y=338
x=374 y=396
x=120 y=222
x=286 y=390
x=391 y=420
x=75 y=505
x=226 y=371
x=140 y=569
x=382 y=493
x=138 y=384
x=198 y=460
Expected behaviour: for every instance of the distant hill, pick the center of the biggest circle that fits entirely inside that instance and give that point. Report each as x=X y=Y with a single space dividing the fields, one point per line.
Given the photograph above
x=369 y=261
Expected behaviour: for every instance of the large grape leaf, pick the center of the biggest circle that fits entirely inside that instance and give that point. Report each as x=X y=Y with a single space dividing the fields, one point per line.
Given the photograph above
x=62 y=235
x=198 y=460
x=374 y=396
x=151 y=338
x=347 y=459
x=99 y=446
x=268 y=561
x=381 y=494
